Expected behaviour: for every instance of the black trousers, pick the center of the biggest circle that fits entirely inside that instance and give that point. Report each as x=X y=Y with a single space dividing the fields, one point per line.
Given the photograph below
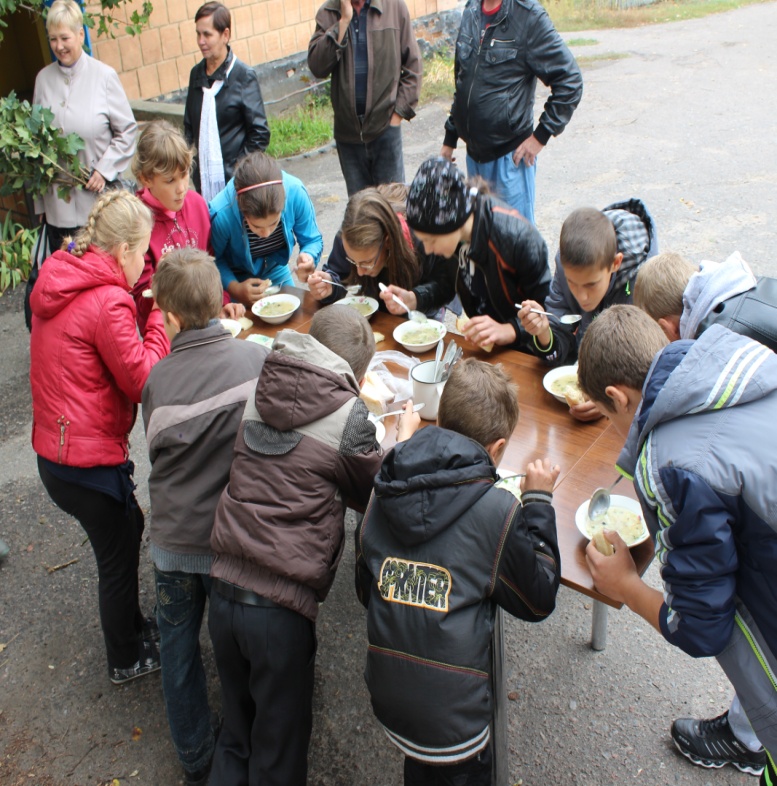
x=265 y=658
x=114 y=533
x=472 y=772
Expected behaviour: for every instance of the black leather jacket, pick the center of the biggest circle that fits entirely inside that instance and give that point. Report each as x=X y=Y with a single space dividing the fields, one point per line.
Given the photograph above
x=239 y=110
x=496 y=76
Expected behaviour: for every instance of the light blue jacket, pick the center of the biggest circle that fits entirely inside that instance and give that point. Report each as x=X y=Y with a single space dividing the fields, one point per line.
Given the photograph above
x=230 y=241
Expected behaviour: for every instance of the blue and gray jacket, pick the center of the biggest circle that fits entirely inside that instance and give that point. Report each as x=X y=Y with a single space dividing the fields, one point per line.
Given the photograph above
x=701 y=450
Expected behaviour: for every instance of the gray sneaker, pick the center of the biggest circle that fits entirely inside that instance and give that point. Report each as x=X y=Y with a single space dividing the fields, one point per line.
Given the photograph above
x=711 y=743
x=147 y=664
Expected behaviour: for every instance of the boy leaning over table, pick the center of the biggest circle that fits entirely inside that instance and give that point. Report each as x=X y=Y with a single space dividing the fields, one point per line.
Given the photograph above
x=192 y=405
x=698 y=419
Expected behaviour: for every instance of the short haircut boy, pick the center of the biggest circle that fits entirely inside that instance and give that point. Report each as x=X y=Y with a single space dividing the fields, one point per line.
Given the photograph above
x=479 y=401
x=161 y=150
x=587 y=239
x=347 y=333
x=660 y=284
x=618 y=349
x=187 y=283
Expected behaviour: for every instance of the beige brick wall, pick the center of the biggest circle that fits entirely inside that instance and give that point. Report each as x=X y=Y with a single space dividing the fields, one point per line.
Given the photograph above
x=160 y=59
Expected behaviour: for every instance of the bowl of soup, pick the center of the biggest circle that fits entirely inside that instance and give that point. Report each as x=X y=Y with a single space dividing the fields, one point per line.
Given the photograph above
x=276 y=308
x=562 y=384
x=624 y=516
x=419 y=336
x=366 y=306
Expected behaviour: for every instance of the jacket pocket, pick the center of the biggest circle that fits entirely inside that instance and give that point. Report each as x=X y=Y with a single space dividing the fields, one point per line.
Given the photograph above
x=500 y=54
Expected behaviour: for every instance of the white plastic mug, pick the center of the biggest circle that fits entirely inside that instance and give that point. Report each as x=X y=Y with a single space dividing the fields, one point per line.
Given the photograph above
x=425 y=390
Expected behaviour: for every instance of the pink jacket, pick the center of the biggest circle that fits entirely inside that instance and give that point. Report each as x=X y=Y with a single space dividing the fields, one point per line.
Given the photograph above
x=87 y=363
x=190 y=226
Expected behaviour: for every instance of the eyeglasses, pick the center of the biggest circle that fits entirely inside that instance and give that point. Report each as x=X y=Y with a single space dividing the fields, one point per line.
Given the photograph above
x=368 y=265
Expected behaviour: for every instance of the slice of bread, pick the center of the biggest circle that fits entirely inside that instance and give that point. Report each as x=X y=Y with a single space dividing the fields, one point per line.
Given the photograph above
x=378 y=336
x=602 y=545
x=375 y=394
x=461 y=323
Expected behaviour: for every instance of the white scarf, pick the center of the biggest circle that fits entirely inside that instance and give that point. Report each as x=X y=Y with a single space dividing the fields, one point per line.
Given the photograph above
x=212 y=179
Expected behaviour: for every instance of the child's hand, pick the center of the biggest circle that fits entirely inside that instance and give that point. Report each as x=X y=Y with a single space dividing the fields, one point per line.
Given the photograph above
x=405 y=295
x=319 y=285
x=484 y=332
x=305 y=266
x=535 y=324
x=540 y=476
x=408 y=422
x=613 y=574
x=232 y=311
x=248 y=291
x=585 y=412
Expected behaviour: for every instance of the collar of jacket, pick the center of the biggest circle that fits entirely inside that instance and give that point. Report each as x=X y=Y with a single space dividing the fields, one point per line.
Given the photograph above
x=187 y=339
x=203 y=78
x=334 y=5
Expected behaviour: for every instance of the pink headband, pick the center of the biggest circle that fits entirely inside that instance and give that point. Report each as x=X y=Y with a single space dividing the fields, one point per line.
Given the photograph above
x=261 y=185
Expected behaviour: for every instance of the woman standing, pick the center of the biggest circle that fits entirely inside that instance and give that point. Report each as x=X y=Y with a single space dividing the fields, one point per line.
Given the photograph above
x=88 y=99
x=224 y=116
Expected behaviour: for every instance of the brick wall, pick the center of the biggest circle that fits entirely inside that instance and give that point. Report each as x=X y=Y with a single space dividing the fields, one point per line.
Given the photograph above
x=160 y=59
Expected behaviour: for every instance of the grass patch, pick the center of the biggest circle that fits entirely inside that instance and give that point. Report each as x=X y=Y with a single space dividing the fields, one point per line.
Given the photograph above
x=437 y=83
x=605 y=56
x=300 y=129
x=582 y=42
x=571 y=15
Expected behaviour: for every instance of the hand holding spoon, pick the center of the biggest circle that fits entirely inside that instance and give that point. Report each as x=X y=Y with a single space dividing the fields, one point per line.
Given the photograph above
x=416 y=316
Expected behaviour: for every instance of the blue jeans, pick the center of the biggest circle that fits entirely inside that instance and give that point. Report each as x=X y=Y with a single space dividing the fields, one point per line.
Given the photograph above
x=372 y=163
x=512 y=184
x=180 y=605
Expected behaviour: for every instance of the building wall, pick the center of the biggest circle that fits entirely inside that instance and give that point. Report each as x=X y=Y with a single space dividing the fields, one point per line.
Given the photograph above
x=159 y=60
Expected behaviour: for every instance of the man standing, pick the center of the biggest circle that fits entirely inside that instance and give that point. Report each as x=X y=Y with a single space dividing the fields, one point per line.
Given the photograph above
x=369 y=49
x=503 y=47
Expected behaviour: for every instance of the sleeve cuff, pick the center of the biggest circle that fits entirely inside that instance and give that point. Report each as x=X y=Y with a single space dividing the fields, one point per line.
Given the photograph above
x=542 y=135
x=543 y=497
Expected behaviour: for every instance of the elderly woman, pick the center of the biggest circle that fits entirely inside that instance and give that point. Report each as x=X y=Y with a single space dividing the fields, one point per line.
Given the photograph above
x=88 y=99
x=224 y=116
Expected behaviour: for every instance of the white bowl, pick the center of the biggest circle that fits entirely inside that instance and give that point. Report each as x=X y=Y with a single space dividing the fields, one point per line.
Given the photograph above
x=233 y=326
x=583 y=523
x=292 y=300
x=361 y=304
x=509 y=481
x=554 y=375
x=409 y=326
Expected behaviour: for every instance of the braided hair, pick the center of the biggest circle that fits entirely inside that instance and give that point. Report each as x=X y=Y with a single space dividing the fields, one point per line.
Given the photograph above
x=117 y=217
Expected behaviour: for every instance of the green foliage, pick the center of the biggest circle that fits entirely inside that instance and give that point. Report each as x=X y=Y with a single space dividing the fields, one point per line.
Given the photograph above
x=33 y=151
x=302 y=128
x=16 y=247
x=104 y=22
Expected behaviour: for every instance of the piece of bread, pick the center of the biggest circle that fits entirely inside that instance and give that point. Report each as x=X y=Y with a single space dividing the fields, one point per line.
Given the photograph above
x=602 y=545
x=378 y=336
x=573 y=399
x=461 y=323
x=375 y=394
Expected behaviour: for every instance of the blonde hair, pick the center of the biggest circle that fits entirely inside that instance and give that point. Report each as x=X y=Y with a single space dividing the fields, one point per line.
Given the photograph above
x=587 y=239
x=479 y=401
x=347 y=333
x=370 y=220
x=617 y=349
x=161 y=150
x=660 y=283
x=117 y=217
x=64 y=13
x=188 y=284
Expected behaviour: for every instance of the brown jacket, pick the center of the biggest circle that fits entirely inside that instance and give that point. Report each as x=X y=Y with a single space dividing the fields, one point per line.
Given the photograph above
x=395 y=68
x=305 y=446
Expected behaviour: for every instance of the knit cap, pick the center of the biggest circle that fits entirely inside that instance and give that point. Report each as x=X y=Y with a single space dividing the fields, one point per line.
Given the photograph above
x=439 y=201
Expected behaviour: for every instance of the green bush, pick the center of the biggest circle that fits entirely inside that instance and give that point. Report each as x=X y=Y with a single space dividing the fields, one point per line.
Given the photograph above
x=16 y=248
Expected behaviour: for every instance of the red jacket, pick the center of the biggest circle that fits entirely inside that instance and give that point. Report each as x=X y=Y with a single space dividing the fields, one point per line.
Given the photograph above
x=190 y=226
x=87 y=363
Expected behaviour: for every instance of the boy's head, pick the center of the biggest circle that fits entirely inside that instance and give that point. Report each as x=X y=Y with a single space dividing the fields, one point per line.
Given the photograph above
x=589 y=254
x=162 y=162
x=187 y=288
x=347 y=333
x=481 y=402
x=659 y=288
x=614 y=359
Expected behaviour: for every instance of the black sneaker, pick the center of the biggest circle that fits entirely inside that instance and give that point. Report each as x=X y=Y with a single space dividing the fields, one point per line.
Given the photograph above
x=147 y=664
x=711 y=743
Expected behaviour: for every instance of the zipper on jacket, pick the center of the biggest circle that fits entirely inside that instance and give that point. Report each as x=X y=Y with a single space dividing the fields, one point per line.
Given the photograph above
x=63 y=424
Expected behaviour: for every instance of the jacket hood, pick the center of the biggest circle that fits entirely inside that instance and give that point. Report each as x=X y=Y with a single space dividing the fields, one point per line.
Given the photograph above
x=714 y=283
x=719 y=370
x=414 y=485
x=65 y=276
x=286 y=398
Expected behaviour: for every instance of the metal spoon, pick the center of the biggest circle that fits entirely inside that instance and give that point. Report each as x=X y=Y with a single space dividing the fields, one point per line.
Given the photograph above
x=416 y=408
x=351 y=289
x=566 y=319
x=600 y=500
x=416 y=316
x=438 y=358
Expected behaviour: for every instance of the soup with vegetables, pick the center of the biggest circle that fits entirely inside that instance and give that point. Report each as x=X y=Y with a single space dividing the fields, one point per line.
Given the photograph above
x=365 y=309
x=568 y=387
x=424 y=335
x=626 y=523
x=276 y=309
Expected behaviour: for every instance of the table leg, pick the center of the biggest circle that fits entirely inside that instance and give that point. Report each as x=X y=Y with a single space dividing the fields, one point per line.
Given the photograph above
x=599 y=626
x=500 y=759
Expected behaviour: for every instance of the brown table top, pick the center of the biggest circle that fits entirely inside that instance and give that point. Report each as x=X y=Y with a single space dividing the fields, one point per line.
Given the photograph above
x=586 y=452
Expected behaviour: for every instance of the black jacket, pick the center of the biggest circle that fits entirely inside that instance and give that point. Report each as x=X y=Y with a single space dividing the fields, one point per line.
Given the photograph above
x=493 y=103
x=510 y=257
x=239 y=110
x=438 y=549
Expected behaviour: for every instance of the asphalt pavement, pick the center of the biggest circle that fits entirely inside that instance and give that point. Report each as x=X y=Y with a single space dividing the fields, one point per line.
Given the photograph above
x=683 y=115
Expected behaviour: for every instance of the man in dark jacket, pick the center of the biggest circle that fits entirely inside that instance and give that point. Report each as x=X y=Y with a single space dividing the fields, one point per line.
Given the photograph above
x=369 y=49
x=503 y=47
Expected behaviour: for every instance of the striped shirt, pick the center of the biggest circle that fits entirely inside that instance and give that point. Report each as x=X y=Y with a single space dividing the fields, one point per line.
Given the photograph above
x=264 y=246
